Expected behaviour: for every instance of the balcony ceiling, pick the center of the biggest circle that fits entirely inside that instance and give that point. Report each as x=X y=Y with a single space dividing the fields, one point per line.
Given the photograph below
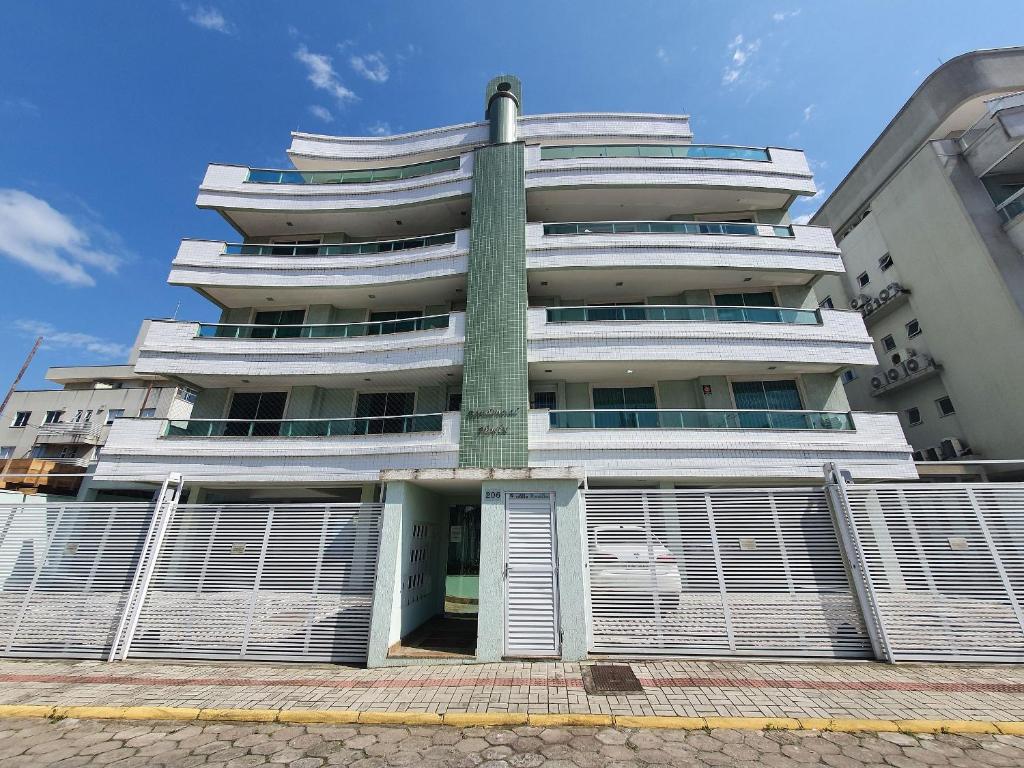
x=425 y=218
x=642 y=282
x=646 y=373
x=650 y=203
x=395 y=380
x=407 y=295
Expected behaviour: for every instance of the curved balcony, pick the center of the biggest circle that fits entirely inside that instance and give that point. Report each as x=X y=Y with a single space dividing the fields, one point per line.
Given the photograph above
x=143 y=449
x=726 y=445
x=392 y=352
x=268 y=202
x=661 y=180
x=313 y=151
x=673 y=340
x=664 y=257
x=330 y=273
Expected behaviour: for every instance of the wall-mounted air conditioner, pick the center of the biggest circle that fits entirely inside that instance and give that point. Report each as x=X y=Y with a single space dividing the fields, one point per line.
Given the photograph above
x=953 y=448
x=898 y=356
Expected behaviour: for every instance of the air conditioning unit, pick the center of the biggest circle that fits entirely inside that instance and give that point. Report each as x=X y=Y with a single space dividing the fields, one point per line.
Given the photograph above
x=953 y=448
x=931 y=454
x=898 y=356
x=917 y=456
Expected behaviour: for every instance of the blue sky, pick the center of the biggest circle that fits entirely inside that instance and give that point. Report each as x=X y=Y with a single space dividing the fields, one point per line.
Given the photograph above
x=110 y=111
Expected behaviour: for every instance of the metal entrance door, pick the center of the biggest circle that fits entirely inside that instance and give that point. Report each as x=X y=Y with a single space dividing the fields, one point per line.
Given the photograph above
x=756 y=572
x=531 y=576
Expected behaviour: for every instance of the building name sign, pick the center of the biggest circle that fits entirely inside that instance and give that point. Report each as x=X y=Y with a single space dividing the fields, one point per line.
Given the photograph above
x=492 y=413
x=868 y=305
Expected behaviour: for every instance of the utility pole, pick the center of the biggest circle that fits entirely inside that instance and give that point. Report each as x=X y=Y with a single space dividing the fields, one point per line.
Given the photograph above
x=14 y=386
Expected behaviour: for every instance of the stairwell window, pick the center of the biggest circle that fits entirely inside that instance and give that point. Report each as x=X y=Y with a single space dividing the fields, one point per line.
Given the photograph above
x=863 y=279
x=913 y=416
x=913 y=329
x=21 y=419
x=826 y=303
x=849 y=375
x=888 y=343
x=885 y=262
x=945 y=406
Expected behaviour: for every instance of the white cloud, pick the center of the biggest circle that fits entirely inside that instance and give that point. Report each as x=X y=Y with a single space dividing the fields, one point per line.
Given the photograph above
x=740 y=51
x=371 y=66
x=380 y=128
x=783 y=15
x=19 y=106
x=808 y=112
x=321 y=112
x=407 y=53
x=210 y=18
x=662 y=55
x=802 y=219
x=35 y=234
x=320 y=71
x=56 y=339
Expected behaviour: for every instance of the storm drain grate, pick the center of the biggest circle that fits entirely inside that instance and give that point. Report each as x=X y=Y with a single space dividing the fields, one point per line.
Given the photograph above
x=611 y=678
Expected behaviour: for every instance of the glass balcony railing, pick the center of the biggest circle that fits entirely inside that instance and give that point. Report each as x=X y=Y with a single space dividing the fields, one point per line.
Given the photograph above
x=361 y=176
x=331 y=331
x=1013 y=206
x=662 y=228
x=684 y=313
x=337 y=249
x=691 y=151
x=702 y=419
x=370 y=425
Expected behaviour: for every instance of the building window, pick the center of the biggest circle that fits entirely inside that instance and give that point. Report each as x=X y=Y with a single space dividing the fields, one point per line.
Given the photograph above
x=945 y=406
x=21 y=419
x=888 y=343
x=863 y=279
x=114 y=413
x=53 y=417
x=826 y=303
x=187 y=394
x=544 y=400
x=913 y=416
x=454 y=401
x=6 y=451
x=849 y=375
x=885 y=262
x=147 y=413
x=913 y=328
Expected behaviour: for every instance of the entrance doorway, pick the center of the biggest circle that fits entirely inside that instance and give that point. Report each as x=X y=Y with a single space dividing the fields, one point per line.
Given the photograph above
x=462 y=581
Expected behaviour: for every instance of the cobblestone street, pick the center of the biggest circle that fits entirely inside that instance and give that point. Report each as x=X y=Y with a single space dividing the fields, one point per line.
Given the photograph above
x=29 y=742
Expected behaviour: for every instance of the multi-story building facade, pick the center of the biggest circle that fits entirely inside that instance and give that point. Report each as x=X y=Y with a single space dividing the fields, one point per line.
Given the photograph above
x=473 y=322
x=931 y=226
x=47 y=436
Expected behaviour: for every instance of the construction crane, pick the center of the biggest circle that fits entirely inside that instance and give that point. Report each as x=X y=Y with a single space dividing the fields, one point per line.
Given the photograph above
x=17 y=379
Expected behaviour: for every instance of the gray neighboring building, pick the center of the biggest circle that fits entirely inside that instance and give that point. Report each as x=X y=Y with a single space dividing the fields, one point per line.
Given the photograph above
x=931 y=226
x=56 y=432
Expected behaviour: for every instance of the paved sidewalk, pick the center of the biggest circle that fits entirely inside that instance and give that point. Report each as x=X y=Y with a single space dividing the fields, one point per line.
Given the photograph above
x=32 y=743
x=671 y=688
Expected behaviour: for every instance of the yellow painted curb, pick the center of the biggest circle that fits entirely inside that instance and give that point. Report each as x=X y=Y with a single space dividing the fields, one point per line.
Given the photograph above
x=657 y=721
x=847 y=725
x=160 y=713
x=249 y=715
x=946 y=726
x=1009 y=727
x=466 y=719
x=25 y=710
x=91 y=713
x=561 y=721
x=331 y=716
x=399 y=718
x=752 y=723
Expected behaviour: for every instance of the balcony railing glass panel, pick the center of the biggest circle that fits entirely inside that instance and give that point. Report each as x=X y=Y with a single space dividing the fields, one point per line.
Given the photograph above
x=362 y=176
x=707 y=314
x=699 y=151
x=371 y=425
x=1013 y=206
x=701 y=419
x=337 y=249
x=663 y=228
x=341 y=330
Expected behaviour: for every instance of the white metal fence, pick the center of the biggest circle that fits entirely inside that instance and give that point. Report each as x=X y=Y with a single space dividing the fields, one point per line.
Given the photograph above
x=756 y=572
x=940 y=567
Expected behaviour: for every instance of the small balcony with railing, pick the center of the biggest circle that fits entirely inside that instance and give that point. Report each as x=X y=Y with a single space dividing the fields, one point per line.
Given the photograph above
x=69 y=433
x=227 y=271
x=339 y=354
x=731 y=339
x=661 y=180
x=267 y=202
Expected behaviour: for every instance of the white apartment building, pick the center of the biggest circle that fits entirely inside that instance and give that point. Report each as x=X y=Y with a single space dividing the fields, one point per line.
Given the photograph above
x=931 y=225
x=49 y=435
x=463 y=327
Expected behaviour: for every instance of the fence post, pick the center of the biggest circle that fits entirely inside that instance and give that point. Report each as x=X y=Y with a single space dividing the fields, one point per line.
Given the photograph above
x=853 y=553
x=163 y=510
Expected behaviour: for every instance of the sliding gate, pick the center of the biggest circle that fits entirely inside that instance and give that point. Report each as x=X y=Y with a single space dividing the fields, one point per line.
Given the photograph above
x=290 y=582
x=756 y=572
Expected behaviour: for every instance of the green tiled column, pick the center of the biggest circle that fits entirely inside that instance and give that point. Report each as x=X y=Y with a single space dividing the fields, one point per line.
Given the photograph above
x=495 y=384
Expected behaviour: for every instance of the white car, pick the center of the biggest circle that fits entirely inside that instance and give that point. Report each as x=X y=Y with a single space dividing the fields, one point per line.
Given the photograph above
x=625 y=562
